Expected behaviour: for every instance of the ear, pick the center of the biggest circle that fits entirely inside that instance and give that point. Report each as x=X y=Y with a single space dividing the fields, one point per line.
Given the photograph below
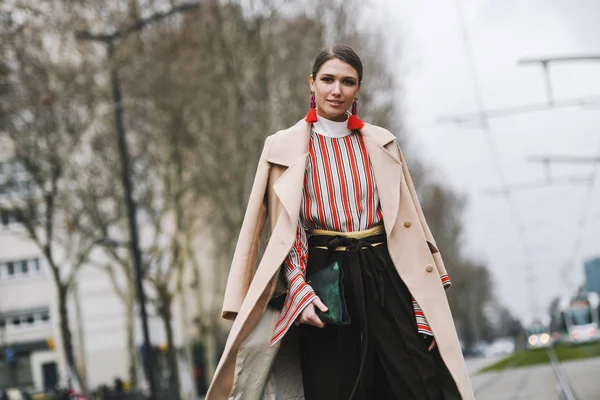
x=311 y=83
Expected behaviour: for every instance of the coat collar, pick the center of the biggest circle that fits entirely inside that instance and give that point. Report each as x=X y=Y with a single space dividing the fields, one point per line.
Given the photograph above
x=290 y=149
x=292 y=143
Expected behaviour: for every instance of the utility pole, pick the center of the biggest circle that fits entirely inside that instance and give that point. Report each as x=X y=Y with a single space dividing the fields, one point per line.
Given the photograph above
x=545 y=62
x=110 y=40
x=549 y=104
x=565 y=159
x=480 y=119
x=549 y=181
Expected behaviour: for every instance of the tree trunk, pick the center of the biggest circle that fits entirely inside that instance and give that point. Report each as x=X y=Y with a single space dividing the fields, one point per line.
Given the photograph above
x=210 y=325
x=174 y=389
x=210 y=348
x=65 y=332
x=205 y=329
x=187 y=344
x=131 y=349
x=473 y=317
x=81 y=365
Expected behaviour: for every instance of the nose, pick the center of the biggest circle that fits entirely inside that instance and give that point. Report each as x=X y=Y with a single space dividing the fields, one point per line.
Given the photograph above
x=336 y=89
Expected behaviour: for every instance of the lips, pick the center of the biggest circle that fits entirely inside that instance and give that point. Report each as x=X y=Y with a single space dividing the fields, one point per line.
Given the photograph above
x=335 y=103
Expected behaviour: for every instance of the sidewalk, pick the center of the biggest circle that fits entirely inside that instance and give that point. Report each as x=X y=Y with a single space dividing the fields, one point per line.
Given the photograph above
x=528 y=383
x=584 y=377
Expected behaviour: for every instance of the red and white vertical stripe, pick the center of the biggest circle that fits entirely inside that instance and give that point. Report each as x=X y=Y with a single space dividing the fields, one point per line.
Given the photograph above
x=339 y=188
x=300 y=294
x=339 y=195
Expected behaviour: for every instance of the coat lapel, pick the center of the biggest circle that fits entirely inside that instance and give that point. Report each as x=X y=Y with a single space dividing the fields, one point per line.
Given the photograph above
x=387 y=170
x=291 y=151
x=288 y=187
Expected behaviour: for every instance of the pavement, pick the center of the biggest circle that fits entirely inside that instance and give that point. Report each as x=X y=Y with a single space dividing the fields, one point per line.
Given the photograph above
x=528 y=383
x=534 y=383
x=474 y=364
x=584 y=377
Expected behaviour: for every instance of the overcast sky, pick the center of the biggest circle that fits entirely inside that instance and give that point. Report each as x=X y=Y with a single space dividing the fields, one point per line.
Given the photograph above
x=437 y=82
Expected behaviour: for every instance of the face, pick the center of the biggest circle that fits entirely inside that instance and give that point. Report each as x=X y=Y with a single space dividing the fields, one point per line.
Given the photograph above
x=335 y=87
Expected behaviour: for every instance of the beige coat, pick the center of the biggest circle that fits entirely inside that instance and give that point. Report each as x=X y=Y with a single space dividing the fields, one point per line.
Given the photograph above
x=245 y=370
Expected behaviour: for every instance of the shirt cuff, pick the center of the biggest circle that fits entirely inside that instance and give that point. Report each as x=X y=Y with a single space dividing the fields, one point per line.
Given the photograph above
x=300 y=295
x=446 y=281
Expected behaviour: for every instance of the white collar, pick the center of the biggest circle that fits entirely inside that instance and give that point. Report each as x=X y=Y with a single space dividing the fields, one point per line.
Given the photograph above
x=328 y=128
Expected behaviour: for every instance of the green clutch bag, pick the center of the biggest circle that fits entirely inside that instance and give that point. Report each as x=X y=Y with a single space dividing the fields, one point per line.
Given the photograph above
x=327 y=284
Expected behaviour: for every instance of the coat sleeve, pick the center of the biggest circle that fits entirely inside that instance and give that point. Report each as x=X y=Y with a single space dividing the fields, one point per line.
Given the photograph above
x=437 y=257
x=246 y=249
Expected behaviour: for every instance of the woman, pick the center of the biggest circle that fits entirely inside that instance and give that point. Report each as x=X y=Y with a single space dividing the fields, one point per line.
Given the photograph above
x=335 y=189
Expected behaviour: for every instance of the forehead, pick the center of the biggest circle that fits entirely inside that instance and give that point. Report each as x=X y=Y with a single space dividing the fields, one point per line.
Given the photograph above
x=338 y=68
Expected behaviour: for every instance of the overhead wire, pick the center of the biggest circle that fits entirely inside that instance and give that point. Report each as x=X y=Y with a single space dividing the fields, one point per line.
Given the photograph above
x=495 y=154
x=585 y=215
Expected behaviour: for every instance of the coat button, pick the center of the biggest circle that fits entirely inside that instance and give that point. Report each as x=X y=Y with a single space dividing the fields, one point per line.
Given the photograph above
x=429 y=268
x=407 y=223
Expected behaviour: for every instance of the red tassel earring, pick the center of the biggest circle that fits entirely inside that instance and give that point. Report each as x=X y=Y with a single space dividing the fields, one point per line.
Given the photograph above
x=354 y=122
x=311 y=117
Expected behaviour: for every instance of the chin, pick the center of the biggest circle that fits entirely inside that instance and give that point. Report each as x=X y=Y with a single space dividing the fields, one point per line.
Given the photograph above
x=335 y=113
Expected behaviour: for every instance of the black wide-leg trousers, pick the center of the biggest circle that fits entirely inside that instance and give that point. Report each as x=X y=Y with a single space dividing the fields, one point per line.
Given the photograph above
x=382 y=337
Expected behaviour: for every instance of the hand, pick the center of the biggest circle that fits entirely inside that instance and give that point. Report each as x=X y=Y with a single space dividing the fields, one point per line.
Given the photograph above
x=309 y=315
x=432 y=345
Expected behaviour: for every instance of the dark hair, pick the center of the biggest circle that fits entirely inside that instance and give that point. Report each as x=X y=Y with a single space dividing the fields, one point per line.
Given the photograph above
x=341 y=52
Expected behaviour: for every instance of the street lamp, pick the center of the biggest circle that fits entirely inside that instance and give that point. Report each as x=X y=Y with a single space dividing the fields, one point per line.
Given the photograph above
x=109 y=40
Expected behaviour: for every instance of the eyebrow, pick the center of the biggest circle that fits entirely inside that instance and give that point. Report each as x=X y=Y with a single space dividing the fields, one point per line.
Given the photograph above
x=333 y=76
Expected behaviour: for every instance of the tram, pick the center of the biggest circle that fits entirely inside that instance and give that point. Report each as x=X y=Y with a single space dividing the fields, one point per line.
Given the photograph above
x=538 y=335
x=581 y=318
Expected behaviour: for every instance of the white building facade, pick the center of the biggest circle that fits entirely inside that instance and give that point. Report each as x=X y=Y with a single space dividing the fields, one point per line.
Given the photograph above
x=28 y=324
x=31 y=355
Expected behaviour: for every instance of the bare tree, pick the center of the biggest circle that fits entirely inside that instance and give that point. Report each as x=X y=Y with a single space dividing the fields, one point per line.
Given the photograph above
x=250 y=78
x=472 y=287
x=45 y=112
x=202 y=111
x=104 y=207
x=201 y=93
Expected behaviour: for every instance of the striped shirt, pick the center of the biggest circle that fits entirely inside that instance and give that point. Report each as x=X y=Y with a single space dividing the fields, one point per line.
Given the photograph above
x=339 y=194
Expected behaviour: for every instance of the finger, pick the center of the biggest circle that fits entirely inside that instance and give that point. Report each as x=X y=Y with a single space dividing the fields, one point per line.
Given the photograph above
x=317 y=301
x=316 y=321
x=432 y=345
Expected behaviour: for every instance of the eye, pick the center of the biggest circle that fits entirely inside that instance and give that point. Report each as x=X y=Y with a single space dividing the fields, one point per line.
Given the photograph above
x=349 y=82
x=326 y=79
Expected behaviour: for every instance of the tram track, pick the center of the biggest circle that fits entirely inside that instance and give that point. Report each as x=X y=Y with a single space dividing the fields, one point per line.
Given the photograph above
x=562 y=384
x=564 y=388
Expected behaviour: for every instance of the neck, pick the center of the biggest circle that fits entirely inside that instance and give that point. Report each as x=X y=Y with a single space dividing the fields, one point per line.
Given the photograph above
x=329 y=128
x=340 y=118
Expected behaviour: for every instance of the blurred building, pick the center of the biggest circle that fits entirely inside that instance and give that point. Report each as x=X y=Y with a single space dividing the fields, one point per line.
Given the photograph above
x=28 y=323
x=31 y=355
x=592 y=275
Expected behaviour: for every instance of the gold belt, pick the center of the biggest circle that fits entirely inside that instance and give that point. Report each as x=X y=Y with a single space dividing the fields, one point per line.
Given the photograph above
x=376 y=230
